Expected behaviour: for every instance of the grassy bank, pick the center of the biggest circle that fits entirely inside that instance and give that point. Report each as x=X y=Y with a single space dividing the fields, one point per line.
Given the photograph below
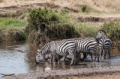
x=10 y=23
x=45 y=24
x=12 y=29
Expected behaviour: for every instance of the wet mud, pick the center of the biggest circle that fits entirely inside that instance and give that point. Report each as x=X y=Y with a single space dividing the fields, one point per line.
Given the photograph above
x=57 y=74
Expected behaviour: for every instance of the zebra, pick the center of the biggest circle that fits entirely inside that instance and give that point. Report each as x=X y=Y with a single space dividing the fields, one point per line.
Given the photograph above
x=58 y=48
x=86 y=45
x=105 y=43
x=56 y=57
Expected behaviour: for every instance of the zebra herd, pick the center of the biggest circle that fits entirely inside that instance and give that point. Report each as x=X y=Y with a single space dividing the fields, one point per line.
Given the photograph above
x=72 y=48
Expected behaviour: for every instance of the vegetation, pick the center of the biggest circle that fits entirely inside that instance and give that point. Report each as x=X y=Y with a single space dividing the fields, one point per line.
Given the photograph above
x=86 y=30
x=112 y=29
x=45 y=25
x=9 y=23
x=12 y=29
x=85 y=8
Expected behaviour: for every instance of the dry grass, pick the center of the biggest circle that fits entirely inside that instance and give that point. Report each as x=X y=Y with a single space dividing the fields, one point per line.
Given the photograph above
x=100 y=8
x=101 y=5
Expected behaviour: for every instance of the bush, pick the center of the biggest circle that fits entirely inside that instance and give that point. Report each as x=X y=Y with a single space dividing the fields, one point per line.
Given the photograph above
x=45 y=25
x=112 y=29
x=85 y=8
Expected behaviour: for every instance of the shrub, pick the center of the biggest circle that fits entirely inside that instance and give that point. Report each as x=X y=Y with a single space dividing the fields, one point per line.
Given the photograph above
x=63 y=12
x=45 y=25
x=112 y=29
x=85 y=8
x=86 y=30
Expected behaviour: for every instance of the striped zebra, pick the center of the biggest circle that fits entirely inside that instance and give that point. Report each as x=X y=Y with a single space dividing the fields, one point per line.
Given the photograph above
x=58 y=48
x=87 y=45
x=105 y=43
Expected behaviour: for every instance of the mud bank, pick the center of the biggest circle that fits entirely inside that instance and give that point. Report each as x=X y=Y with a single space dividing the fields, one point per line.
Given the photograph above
x=12 y=35
x=67 y=72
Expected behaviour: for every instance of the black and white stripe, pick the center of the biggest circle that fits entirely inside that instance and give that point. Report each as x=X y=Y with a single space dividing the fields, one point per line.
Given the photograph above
x=105 y=43
x=88 y=45
x=60 y=48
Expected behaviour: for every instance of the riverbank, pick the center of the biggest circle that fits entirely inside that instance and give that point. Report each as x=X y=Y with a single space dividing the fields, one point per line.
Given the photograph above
x=84 y=17
x=12 y=30
x=83 y=73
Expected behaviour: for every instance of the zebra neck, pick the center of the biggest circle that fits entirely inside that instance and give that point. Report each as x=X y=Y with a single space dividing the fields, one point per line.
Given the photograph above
x=104 y=37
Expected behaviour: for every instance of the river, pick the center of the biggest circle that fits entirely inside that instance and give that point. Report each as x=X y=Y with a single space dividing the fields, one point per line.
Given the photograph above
x=16 y=58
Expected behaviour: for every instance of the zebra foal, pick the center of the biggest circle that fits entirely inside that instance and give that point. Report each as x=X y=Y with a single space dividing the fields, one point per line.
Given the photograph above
x=58 y=48
x=105 y=43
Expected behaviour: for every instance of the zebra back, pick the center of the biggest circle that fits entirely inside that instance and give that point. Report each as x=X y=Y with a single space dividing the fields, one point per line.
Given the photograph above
x=86 y=44
x=61 y=47
x=105 y=43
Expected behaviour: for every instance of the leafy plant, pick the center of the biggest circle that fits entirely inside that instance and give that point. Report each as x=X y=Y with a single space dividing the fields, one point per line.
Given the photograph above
x=46 y=25
x=112 y=29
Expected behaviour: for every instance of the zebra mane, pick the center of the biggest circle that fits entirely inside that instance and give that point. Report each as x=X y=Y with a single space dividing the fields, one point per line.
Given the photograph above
x=103 y=32
x=45 y=48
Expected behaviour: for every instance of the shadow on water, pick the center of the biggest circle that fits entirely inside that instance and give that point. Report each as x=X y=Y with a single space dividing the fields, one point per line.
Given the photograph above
x=20 y=58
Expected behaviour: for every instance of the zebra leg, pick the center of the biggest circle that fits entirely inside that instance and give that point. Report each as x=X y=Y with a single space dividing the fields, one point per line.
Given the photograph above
x=78 y=55
x=73 y=61
x=92 y=55
x=51 y=60
x=109 y=54
x=73 y=57
x=84 y=55
x=101 y=52
x=97 y=55
x=105 y=52
x=53 y=57
x=64 y=58
x=58 y=59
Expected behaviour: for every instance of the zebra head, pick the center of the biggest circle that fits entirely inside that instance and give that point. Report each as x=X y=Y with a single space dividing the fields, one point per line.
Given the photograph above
x=100 y=34
x=39 y=56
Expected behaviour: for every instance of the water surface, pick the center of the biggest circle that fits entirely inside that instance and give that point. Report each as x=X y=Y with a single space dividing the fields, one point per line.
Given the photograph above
x=20 y=58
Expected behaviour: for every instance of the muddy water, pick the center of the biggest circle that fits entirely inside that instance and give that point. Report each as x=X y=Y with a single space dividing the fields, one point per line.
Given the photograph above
x=18 y=58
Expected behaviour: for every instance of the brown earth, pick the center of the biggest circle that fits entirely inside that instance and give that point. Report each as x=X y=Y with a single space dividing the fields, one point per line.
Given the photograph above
x=84 y=73
x=20 y=10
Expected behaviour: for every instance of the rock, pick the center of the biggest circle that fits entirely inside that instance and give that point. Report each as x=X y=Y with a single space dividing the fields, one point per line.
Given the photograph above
x=47 y=69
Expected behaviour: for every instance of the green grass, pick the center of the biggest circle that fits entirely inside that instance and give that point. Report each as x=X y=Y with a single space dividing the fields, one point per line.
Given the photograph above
x=112 y=29
x=9 y=23
x=85 y=29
